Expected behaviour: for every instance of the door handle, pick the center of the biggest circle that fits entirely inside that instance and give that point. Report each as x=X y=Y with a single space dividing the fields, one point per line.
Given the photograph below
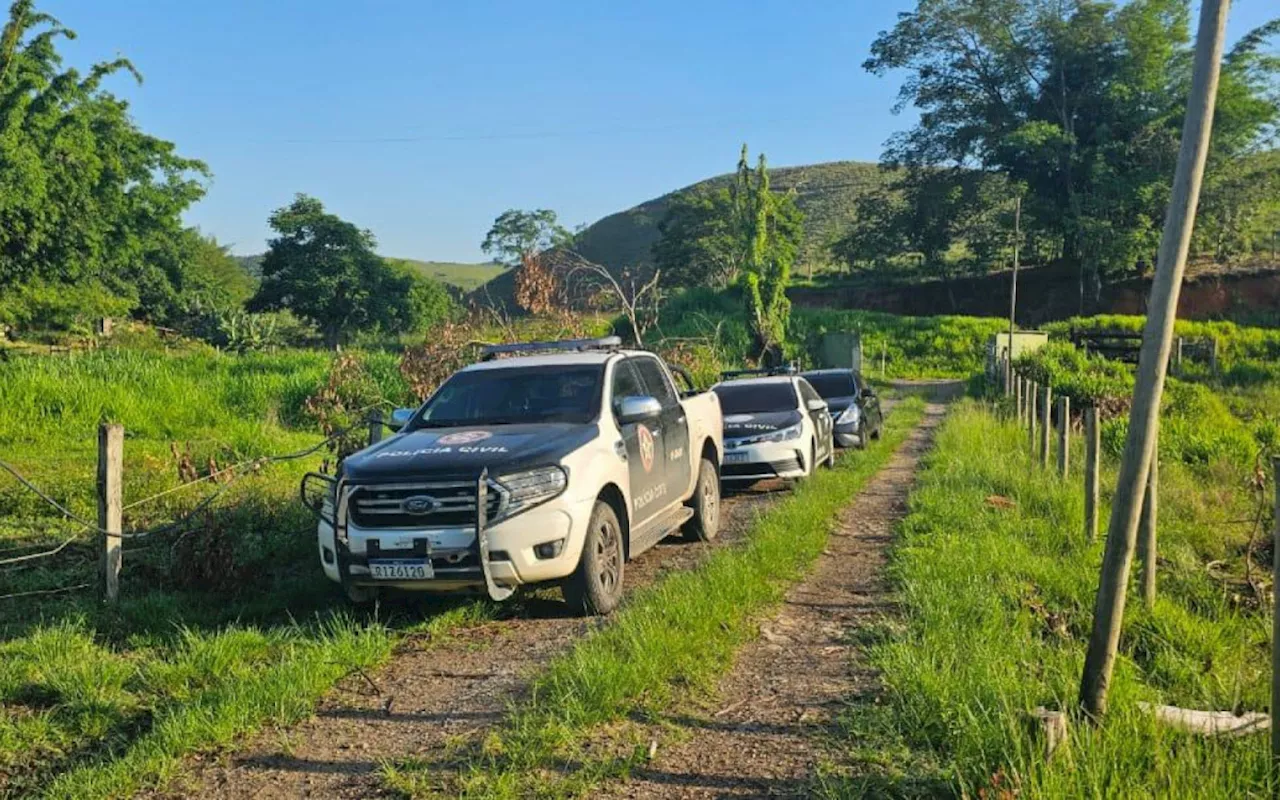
x=680 y=420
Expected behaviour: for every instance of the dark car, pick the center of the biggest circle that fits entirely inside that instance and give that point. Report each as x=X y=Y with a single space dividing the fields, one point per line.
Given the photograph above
x=853 y=403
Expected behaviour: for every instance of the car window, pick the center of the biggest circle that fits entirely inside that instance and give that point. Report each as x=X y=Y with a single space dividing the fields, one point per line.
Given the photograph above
x=806 y=391
x=833 y=384
x=625 y=382
x=515 y=395
x=743 y=397
x=656 y=380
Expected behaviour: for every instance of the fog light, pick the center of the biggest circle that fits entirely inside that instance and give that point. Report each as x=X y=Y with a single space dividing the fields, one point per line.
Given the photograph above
x=499 y=555
x=327 y=554
x=549 y=549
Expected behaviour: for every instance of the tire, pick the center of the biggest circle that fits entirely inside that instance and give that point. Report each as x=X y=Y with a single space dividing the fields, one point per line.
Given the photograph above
x=878 y=432
x=830 y=463
x=595 y=587
x=705 y=523
x=813 y=458
x=361 y=596
x=862 y=434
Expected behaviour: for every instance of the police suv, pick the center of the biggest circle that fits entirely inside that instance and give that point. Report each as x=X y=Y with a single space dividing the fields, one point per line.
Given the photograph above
x=544 y=462
x=775 y=426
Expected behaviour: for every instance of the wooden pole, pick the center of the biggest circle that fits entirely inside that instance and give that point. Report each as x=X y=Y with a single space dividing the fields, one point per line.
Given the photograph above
x=1092 y=462
x=1147 y=533
x=1017 y=396
x=1046 y=426
x=1013 y=283
x=375 y=427
x=1031 y=415
x=1275 y=628
x=1157 y=340
x=111 y=505
x=1064 y=435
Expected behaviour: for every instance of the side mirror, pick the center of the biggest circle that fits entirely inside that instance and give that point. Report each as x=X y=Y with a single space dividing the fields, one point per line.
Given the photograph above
x=869 y=392
x=816 y=405
x=638 y=409
x=399 y=418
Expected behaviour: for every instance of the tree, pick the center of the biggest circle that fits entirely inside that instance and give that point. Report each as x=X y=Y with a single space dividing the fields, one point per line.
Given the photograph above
x=517 y=235
x=875 y=236
x=767 y=239
x=1080 y=101
x=85 y=195
x=324 y=269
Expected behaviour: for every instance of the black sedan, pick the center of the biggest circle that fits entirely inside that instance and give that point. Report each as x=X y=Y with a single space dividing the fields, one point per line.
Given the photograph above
x=853 y=403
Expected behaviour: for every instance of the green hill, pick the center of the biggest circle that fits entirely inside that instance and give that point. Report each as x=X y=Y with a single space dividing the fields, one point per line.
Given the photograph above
x=824 y=192
x=465 y=277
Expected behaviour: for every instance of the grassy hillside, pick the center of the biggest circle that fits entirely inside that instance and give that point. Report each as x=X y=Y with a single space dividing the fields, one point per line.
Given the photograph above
x=825 y=193
x=464 y=276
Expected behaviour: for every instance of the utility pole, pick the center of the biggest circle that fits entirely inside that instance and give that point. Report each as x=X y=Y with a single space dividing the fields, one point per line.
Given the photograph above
x=1013 y=286
x=1157 y=341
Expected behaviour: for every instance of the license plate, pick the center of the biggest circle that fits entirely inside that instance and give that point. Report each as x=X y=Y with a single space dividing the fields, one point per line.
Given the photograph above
x=735 y=458
x=404 y=569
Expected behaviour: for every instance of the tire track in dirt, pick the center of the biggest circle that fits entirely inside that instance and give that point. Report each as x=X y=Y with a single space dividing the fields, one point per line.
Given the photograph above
x=765 y=736
x=430 y=693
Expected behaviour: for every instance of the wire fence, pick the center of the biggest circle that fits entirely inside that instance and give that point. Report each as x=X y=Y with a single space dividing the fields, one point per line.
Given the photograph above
x=225 y=478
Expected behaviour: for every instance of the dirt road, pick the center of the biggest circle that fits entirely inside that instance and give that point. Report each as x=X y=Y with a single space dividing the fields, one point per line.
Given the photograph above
x=764 y=735
x=430 y=692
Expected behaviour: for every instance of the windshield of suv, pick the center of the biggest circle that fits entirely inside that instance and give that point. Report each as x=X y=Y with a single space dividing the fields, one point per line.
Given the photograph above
x=832 y=384
x=514 y=396
x=756 y=398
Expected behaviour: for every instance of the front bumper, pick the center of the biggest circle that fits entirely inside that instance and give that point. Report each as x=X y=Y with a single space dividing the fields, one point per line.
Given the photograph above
x=847 y=435
x=762 y=461
x=454 y=551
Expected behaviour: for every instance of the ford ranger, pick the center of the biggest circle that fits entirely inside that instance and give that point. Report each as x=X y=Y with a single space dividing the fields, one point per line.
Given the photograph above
x=544 y=462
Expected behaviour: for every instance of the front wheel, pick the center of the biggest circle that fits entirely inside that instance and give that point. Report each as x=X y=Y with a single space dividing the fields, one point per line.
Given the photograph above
x=862 y=434
x=705 y=522
x=595 y=587
x=831 y=453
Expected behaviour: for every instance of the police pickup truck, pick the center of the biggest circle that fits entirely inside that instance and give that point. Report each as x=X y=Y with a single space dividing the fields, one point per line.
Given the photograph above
x=544 y=462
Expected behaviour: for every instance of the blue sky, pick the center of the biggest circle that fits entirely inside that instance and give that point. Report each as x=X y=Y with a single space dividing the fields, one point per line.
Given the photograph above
x=423 y=120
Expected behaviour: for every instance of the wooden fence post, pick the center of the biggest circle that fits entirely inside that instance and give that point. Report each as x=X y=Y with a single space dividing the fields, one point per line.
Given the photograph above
x=1147 y=525
x=375 y=426
x=1032 y=391
x=1213 y=356
x=1017 y=396
x=1064 y=435
x=1275 y=626
x=111 y=505
x=1046 y=425
x=1092 y=461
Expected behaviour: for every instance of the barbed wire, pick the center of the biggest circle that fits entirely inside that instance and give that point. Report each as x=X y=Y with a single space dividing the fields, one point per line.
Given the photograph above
x=237 y=471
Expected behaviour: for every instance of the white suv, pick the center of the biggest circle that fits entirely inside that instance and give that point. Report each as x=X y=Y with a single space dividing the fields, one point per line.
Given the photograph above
x=775 y=426
x=525 y=469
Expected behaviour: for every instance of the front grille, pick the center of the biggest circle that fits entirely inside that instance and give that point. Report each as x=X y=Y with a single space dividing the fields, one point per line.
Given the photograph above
x=452 y=505
x=764 y=468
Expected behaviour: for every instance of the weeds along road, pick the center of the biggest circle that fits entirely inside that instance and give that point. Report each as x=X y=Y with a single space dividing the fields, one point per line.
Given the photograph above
x=430 y=693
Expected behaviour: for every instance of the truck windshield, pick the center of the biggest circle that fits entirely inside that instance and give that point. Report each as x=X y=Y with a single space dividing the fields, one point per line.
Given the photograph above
x=513 y=396
x=756 y=398
x=832 y=384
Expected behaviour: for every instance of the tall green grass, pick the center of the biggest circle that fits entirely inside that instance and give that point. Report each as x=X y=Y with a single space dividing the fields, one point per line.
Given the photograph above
x=996 y=609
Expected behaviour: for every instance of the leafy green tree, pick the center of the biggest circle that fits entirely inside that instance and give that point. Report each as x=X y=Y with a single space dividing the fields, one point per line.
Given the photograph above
x=875 y=235
x=518 y=235
x=324 y=269
x=1080 y=101
x=85 y=195
x=768 y=240
x=421 y=303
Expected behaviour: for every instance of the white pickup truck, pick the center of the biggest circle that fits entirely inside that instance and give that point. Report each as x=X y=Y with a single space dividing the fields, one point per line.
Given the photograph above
x=544 y=462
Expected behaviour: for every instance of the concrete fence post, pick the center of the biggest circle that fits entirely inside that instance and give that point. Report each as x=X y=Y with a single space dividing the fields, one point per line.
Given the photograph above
x=1031 y=415
x=1064 y=435
x=1017 y=396
x=1092 y=462
x=111 y=506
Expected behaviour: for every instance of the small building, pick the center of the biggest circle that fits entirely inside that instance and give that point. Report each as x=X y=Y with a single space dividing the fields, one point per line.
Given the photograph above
x=1023 y=342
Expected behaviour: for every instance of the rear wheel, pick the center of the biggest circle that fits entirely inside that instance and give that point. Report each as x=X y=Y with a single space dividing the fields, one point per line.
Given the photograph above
x=595 y=587
x=705 y=522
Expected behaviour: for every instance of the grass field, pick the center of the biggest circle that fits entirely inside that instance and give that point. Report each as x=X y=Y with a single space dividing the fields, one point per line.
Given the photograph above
x=997 y=607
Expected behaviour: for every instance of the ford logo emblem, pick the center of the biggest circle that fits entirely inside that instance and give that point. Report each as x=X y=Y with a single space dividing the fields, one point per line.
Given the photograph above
x=419 y=504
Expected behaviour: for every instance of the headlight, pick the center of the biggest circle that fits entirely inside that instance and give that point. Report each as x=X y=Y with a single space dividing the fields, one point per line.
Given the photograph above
x=849 y=415
x=530 y=488
x=784 y=435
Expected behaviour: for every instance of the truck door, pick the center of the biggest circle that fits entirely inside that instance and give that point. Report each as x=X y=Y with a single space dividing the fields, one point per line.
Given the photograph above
x=675 y=428
x=645 y=467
